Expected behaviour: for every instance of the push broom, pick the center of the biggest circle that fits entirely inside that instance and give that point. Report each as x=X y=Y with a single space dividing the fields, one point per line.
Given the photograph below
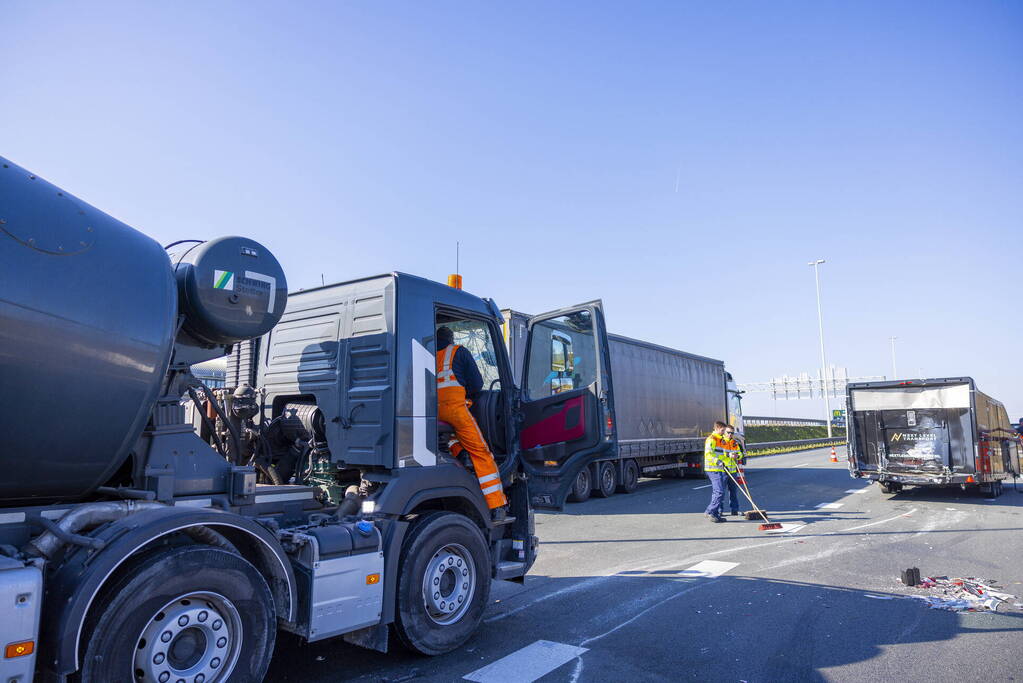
x=756 y=512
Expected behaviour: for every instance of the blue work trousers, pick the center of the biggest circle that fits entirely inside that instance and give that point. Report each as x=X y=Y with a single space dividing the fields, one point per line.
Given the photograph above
x=720 y=482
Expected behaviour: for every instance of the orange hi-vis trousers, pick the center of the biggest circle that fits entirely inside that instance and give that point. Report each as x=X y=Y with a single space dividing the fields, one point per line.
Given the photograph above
x=469 y=438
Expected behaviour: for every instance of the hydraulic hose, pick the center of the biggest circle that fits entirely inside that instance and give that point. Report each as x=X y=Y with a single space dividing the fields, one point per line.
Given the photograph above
x=235 y=438
x=207 y=422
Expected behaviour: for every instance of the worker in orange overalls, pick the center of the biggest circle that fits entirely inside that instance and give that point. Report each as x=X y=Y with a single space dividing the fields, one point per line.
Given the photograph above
x=458 y=380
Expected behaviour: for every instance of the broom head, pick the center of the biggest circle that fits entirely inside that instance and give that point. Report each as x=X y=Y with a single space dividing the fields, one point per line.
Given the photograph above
x=768 y=527
x=756 y=514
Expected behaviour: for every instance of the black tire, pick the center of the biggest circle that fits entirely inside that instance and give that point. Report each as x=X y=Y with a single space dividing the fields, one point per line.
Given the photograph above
x=422 y=554
x=582 y=486
x=889 y=487
x=992 y=489
x=630 y=477
x=607 y=480
x=200 y=584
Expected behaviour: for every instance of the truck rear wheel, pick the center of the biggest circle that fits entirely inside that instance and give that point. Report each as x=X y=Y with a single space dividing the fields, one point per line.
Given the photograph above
x=443 y=583
x=581 y=487
x=607 y=480
x=630 y=477
x=193 y=613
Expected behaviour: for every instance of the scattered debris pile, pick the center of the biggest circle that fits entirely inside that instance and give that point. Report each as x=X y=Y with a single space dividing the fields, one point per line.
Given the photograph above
x=964 y=594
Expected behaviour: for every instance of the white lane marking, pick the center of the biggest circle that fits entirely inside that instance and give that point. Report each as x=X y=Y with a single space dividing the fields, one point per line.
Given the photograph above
x=828 y=506
x=528 y=664
x=787 y=528
x=802 y=464
x=706 y=486
x=709 y=569
x=863 y=490
x=12 y=517
x=883 y=521
x=879 y=597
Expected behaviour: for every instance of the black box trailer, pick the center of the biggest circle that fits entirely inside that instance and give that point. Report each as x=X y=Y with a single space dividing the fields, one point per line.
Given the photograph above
x=930 y=432
x=660 y=402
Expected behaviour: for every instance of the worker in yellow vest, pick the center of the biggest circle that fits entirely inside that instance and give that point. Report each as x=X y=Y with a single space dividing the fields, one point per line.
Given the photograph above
x=716 y=459
x=458 y=380
x=731 y=444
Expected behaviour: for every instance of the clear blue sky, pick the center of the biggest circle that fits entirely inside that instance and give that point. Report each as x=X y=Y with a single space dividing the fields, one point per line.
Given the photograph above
x=681 y=161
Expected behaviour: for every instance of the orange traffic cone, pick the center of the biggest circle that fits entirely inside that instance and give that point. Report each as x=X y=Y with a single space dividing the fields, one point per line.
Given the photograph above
x=741 y=479
x=834 y=456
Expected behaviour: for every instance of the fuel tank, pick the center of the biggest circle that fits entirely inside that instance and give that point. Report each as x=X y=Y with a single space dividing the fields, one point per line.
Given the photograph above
x=88 y=309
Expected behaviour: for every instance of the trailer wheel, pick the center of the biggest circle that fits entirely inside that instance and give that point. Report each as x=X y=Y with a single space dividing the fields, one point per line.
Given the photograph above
x=443 y=583
x=630 y=477
x=193 y=613
x=992 y=489
x=581 y=487
x=607 y=480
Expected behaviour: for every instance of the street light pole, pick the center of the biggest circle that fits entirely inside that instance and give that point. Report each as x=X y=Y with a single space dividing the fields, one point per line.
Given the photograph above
x=895 y=373
x=820 y=328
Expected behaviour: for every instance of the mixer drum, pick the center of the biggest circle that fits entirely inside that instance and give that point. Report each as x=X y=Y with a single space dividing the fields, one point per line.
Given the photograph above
x=87 y=318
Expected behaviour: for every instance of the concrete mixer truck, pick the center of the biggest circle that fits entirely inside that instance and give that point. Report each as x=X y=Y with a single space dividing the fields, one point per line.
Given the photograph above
x=155 y=529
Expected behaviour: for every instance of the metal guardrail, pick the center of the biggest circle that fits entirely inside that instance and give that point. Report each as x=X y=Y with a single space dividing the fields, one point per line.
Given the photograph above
x=761 y=421
x=796 y=442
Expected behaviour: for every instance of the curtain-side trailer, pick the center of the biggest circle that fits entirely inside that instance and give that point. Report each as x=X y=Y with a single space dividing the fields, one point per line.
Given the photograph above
x=661 y=403
x=930 y=432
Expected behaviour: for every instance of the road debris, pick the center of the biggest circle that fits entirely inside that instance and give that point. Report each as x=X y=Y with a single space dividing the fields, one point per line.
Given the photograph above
x=966 y=594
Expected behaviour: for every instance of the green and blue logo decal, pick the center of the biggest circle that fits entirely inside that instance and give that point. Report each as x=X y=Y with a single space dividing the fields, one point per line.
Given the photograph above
x=223 y=279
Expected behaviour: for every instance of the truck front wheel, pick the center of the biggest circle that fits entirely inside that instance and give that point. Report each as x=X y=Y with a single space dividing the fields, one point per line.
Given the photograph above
x=193 y=613
x=443 y=583
x=582 y=486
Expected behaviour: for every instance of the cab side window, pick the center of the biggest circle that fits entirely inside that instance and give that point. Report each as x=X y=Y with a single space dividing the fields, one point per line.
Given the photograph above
x=562 y=355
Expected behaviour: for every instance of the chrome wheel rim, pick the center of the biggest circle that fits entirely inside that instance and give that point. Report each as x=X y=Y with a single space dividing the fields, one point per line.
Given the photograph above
x=194 y=638
x=449 y=584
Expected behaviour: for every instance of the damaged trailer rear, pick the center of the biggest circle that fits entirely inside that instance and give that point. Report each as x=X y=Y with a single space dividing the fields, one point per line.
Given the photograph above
x=930 y=432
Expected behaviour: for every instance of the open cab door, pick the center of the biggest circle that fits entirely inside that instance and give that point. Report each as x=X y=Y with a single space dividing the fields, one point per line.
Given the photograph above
x=567 y=405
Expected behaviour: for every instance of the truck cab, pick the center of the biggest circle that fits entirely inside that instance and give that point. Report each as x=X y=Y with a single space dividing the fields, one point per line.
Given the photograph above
x=314 y=492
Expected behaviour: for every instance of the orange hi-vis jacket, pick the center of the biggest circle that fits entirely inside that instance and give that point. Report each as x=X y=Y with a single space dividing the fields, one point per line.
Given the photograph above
x=453 y=408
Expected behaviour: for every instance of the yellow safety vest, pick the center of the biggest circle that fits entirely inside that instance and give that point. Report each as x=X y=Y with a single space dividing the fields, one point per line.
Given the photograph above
x=717 y=456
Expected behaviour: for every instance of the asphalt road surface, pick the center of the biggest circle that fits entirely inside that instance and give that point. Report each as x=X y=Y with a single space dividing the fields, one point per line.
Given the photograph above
x=644 y=587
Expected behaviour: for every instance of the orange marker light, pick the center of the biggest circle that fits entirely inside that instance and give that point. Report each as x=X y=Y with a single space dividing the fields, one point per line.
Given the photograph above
x=372 y=579
x=969 y=479
x=21 y=649
x=455 y=280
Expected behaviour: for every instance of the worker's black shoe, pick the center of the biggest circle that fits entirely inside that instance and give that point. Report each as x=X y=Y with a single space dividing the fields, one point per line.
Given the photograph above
x=733 y=513
x=717 y=519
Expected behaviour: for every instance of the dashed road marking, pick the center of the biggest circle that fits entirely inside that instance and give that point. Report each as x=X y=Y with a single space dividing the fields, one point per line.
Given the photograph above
x=828 y=506
x=802 y=464
x=709 y=569
x=527 y=664
x=863 y=490
x=705 y=486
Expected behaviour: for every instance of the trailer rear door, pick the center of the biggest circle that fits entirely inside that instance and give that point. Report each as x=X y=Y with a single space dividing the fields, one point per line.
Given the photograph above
x=912 y=428
x=566 y=404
